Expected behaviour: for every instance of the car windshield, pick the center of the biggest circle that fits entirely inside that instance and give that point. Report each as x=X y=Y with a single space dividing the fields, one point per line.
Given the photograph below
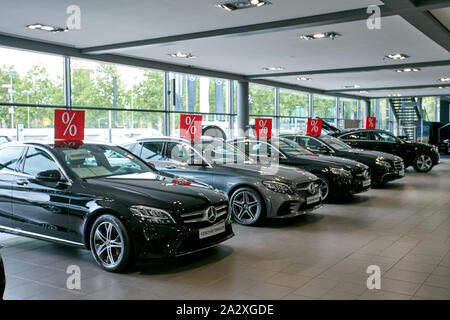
x=291 y=148
x=335 y=143
x=219 y=151
x=94 y=161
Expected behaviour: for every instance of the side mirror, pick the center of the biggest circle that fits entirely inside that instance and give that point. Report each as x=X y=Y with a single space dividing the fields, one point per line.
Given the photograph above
x=324 y=149
x=49 y=176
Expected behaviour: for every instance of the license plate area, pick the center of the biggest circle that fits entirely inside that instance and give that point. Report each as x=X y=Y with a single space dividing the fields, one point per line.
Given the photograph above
x=366 y=183
x=313 y=199
x=212 y=230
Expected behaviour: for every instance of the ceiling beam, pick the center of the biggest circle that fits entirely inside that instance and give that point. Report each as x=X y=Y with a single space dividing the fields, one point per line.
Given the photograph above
x=438 y=63
x=39 y=46
x=423 y=21
x=388 y=88
x=431 y=4
x=281 y=25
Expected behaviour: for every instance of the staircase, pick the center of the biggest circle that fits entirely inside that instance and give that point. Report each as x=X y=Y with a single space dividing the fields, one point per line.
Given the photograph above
x=407 y=113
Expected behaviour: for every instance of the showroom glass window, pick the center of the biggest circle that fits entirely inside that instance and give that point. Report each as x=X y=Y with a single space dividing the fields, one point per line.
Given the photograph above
x=37 y=160
x=106 y=85
x=9 y=157
x=325 y=108
x=295 y=105
x=29 y=77
x=209 y=96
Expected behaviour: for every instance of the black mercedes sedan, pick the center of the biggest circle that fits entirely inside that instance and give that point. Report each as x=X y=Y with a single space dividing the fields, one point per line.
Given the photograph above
x=338 y=176
x=423 y=157
x=105 y=199
x=384 y=167
x=256 y=191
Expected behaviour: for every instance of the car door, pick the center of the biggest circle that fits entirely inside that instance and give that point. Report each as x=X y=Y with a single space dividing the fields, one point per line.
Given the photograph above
x=359 y=139
x=314 y=145
x=9 y=159
x=40 y=206
x=181 y=159
x=387 y=143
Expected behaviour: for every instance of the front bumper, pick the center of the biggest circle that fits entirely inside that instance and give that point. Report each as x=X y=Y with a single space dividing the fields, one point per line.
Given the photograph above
x=280 y=205
x=166 y=241
x=347 y=186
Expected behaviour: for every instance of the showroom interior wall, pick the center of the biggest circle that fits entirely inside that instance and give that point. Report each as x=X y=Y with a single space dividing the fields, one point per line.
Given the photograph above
x=139 y=102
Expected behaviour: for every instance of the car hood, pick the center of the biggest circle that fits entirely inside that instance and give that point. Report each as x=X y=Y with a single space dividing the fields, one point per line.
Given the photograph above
x=154 y=189
x=372 y=154
x=275 y=172
x=334 y=161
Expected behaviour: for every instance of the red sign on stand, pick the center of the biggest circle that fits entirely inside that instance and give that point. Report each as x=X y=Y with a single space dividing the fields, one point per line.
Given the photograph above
x=191 y=127
x=370 y=122
x=69 y=125
x=263 y=128
x=314 y=127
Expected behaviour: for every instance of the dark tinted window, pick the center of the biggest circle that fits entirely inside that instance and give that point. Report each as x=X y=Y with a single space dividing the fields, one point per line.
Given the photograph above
x=383 y=136
x=310 y=143
x=37 y=161
x=9 y=157
x=134 y=147
x=361 y=135
x=3 y=139
x=152 y=151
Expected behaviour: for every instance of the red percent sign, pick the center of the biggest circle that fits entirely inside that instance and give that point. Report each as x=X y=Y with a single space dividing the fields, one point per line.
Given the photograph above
x=370 y=122
x=191 y=127
x=263 y=128
x=69 y=125
x=314 y=127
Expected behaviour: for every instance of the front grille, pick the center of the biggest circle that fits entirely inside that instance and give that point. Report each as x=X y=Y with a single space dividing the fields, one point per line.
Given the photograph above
x=399 y=165
x=200 y=217
x=302 y=188
x=364 y=175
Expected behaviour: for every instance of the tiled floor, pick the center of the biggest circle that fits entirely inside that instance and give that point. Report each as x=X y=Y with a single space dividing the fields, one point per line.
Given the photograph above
x=403 y=228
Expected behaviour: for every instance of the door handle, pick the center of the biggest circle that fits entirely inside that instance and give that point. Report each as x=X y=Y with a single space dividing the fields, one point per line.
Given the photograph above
x=22 y=182
x=170 y=166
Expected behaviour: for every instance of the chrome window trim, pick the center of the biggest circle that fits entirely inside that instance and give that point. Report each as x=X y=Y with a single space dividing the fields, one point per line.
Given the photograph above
x=25 y=145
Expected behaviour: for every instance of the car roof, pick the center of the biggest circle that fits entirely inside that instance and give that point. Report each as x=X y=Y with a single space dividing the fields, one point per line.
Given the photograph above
x=167 y=138
x=361 y=130
x=48 y=143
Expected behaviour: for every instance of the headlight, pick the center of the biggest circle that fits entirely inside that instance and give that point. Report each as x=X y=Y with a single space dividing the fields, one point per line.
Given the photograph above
x=152 y=214
x=278 y=187
x=342 y=172
x=384 y=164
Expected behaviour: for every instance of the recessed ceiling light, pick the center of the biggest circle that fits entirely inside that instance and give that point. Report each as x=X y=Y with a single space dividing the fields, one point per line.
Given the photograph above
x=396 y=56
x=395 y=95
x=273 y=68
x=303 y=79
x=444 y=79
x=364 y=91
x=319 y=35
x=242 y=4
x=352 y=86
x=38 y=26
x=182 y=55
x=407 y=70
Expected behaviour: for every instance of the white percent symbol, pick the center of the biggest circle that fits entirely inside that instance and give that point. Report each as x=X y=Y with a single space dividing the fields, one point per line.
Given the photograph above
x=315 y=126
x=371 y=124
x=67 y=120
x=190 y=122
x=263 y=127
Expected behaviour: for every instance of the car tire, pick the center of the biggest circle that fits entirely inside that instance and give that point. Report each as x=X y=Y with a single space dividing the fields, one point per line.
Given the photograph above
x=247 y=206
x=423 y=162
x=325 y=187
x=111 y=244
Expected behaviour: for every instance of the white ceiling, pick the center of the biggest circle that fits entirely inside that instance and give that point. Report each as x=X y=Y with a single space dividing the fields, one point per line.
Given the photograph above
x=113 y=21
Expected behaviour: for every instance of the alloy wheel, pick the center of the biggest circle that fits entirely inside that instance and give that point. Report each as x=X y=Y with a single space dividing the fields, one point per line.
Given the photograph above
x=424 y=162
x=246 y=207
x=324 y=188
x=109 y=245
